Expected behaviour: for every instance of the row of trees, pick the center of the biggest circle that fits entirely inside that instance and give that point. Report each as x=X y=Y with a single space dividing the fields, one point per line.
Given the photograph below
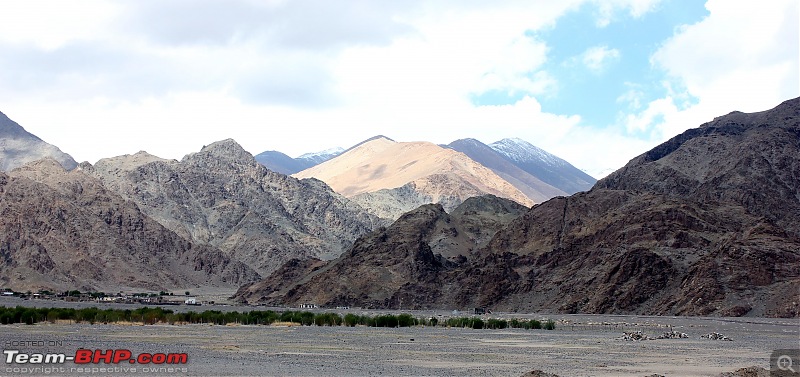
x=151 y=316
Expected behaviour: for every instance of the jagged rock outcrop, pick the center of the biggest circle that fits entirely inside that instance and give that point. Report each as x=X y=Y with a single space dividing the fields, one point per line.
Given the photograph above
x=222 y=197
x=63 y=230
x=403 y=265
x=18 y=147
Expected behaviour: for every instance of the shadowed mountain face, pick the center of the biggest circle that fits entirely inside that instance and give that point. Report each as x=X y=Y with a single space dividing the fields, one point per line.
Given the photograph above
x=222 y=197
x=18 y=147
x=704 y=224
x=64 y=230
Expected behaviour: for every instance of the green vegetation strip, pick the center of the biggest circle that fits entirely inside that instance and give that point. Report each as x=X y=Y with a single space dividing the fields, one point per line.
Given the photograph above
x=151 y=316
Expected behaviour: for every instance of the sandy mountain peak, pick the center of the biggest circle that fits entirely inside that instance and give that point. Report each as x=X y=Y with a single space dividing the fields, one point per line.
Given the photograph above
x=435 y=174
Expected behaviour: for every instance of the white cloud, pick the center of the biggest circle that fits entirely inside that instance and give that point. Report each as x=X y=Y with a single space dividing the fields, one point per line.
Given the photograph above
x=597 y=58
x=608 y=9
x=111 y=78
x=743 y=56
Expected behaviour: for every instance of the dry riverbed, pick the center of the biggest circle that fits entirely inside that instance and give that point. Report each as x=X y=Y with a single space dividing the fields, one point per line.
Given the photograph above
x=581 y=345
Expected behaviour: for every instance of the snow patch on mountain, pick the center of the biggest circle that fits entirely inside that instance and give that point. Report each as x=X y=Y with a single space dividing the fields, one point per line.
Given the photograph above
x=521 y=151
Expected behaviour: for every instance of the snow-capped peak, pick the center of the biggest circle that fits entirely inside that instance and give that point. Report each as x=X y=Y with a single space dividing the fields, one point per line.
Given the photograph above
x=522 y=151
x=321 y=156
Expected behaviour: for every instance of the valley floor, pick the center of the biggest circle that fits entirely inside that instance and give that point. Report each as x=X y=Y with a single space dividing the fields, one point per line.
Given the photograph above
x=581 y=345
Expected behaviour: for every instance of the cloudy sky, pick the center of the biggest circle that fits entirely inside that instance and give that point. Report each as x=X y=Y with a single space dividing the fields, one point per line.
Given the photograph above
x=595 y=82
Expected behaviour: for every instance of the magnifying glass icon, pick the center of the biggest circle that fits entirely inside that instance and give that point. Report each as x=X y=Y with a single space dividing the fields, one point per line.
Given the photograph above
x=785 y=363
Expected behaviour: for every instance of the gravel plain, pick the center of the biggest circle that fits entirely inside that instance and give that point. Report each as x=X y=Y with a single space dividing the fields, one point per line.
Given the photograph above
x=581 y=345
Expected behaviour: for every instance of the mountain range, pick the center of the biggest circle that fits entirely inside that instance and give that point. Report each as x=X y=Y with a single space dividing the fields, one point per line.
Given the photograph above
x=703 y=224
x=390 y=178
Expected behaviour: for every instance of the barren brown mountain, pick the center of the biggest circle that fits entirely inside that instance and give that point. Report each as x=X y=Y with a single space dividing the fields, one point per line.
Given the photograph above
x=63 y=230
x=390 y=178
x=704 y=224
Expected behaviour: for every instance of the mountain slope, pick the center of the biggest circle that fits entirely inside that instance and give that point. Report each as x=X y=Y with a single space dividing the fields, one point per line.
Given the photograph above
x=63 y=230
x=18 y=147
x=222 y=197
x=543 y=165
x=391 y=177
x=533 y=187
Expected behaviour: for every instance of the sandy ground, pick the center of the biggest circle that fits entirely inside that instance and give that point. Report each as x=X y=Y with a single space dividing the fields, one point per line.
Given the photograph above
x=582 y=345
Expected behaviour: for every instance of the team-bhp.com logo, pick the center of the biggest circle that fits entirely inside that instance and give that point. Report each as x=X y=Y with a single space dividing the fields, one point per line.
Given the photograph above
x=84 y=356
x=34 y=362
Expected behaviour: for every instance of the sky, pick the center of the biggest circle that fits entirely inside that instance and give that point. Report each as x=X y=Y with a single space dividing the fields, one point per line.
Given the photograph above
x=594 y=82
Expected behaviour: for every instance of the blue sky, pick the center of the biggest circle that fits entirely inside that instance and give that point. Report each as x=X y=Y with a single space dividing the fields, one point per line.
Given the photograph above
x=596 y=82
x=622 y=61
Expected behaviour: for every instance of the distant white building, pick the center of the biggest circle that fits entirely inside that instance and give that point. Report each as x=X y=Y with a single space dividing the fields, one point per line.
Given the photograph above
x=190 y=301
x=308 y=306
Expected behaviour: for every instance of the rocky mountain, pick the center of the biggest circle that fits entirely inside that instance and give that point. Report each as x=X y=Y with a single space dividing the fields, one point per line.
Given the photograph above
x=281 y=163
x=64 y=230
x=543 y=165
x=533 y=187
x=223 y=198
x=704 y=224
x=18 y=147
x=389 y=177
x=399 y=266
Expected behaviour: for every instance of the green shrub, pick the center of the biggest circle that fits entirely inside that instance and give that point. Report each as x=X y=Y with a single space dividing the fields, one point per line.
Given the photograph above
x=386 y=320
x=406 y=320
x=351 y=320
x=549 y=325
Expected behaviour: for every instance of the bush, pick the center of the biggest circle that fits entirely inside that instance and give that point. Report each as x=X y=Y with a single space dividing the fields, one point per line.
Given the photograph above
x=549 y=325
x=351 y=320
x=496 y=323
x=406 y=320
x=386 y=320
x=327 y=319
